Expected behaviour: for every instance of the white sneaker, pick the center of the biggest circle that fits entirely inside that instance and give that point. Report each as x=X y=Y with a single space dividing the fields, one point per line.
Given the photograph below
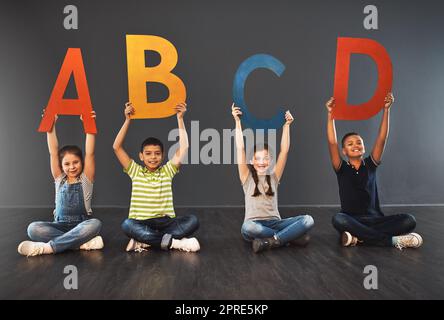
x=136 y=246
x=93 y=244
x=411 y=240
x=31 y=248
x=186 y=244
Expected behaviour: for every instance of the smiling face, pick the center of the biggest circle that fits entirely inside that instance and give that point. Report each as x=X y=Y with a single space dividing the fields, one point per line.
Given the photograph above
x=151 y=156
x=72 y=165
x=261 y=161
x=353 y=147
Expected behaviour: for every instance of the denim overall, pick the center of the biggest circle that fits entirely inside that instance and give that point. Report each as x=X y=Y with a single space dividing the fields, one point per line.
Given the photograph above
x=72 y=226
x=70 y=205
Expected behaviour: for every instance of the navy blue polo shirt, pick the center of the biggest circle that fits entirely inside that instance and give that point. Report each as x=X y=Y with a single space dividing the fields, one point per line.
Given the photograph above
x=357 y=188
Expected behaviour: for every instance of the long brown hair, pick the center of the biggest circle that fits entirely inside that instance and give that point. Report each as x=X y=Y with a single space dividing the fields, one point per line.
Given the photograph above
x=253 y=171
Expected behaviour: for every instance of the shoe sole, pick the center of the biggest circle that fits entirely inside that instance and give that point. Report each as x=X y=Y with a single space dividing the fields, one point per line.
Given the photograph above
x=98 y=244
x=190 y=249
x=194 y=248
x=130 y=246
x=346 y=239
x=197 y=248
x=19 y=249
x=420 y=240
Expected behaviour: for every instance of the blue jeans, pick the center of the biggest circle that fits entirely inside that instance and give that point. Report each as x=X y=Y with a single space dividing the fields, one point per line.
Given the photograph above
x=159 y=232
x=285 y=230
x=374 y=230
x=63 y=236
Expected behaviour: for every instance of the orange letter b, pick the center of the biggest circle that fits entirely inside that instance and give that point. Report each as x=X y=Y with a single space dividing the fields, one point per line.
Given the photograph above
x=139 y=75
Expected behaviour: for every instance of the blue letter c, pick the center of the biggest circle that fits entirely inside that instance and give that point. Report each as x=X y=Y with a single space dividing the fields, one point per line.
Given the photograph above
x=249 y=65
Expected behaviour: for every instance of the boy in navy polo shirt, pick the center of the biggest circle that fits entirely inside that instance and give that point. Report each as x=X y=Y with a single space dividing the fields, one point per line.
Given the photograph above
x=361 y=220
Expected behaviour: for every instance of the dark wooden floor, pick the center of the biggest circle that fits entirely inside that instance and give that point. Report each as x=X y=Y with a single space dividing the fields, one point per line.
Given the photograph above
x=226 y=267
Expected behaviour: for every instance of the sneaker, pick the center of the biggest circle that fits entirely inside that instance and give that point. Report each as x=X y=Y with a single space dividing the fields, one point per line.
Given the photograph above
x=411 y=240
x=348 y=240
x=265 y=243
x=93 y=244
x=301 y=241
x=31 y=248
x=136 y=246
x=186 y=244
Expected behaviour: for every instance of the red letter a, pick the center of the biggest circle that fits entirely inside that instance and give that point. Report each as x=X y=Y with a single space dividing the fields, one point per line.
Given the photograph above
x=73 y=63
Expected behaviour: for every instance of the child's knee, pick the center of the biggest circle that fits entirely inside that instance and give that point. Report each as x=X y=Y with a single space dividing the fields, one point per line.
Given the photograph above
x=89 y=228
x=193 y=222
x=308 y=221
x=35 y=230
x=250 y=229
x=127 y=226
x=246 y=236
x=409 y=222
x=339 y=220
x=94 y=226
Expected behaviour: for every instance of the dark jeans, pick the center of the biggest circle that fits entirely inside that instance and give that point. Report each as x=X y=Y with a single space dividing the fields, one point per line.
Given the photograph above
x=159 y=232
x=374 y=230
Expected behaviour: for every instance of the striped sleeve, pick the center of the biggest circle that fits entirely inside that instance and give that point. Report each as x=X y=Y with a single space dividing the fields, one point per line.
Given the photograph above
x=59 y=179
x=170 y=169
x=132 y=170
x=87 y=186
x=57 y=183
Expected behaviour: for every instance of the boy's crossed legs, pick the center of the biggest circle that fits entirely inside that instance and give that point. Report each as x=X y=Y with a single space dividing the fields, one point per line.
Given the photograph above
x=384 y=231
x=163 y=233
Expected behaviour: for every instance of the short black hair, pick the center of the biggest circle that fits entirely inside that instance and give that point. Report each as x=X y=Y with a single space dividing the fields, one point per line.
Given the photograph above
x=151 y=141
x=348 y=135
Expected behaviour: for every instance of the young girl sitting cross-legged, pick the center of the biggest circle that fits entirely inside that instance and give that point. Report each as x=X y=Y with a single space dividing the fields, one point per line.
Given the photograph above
x=263 y=225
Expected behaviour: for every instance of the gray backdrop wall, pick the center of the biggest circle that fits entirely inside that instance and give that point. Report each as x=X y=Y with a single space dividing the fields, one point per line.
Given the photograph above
x=213 y=38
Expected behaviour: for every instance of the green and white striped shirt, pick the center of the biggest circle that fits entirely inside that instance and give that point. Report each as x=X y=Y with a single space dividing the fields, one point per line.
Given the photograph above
x=152 y=193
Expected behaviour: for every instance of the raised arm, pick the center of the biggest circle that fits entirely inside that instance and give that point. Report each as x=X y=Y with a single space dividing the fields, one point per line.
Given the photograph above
x=90 y=163
x=178 y=157
x=285 y=146
x=378 y=148
x=240 y=149
x=331 y=136
x=121 y=154
x=53 y=147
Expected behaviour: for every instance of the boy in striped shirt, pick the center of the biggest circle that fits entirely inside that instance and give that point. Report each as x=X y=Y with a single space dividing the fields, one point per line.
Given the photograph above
x=152 y=221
